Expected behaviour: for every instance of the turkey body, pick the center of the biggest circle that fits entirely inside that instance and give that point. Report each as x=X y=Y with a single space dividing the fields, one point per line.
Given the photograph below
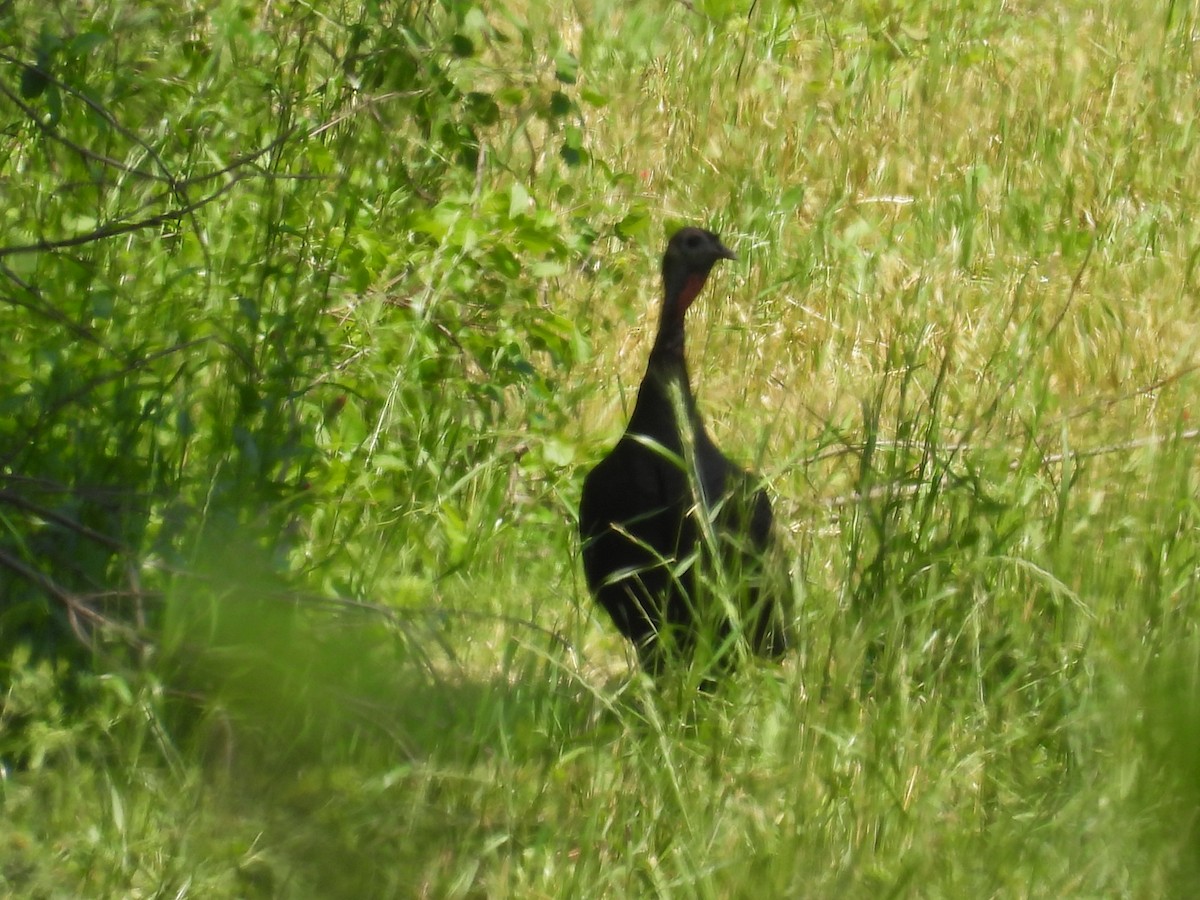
x=676 y=537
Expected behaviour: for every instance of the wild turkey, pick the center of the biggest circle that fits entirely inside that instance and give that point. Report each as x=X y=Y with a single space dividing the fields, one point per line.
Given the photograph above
x=665 y=505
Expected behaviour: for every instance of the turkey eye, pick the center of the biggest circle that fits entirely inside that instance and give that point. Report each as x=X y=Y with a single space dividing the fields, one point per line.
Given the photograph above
x=693 y=242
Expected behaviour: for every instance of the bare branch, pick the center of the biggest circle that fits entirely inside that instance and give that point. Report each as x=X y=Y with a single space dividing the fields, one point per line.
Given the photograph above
x=46 y=310
x=15 y=500
x=113 y=230
x=54 y=135
x=908 y=488
x=78 y=610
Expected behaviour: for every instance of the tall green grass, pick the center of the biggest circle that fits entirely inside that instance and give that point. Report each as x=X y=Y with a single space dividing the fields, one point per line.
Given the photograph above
x=314 y=319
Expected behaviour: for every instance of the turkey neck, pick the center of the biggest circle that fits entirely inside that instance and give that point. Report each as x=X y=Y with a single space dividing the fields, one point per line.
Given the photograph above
x=680 y=289
x=654 y=413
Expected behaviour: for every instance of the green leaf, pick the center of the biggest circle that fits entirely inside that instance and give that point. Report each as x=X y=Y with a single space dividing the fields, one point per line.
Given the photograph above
x=483 y=108
x=560 y=105
x=572 y=151
x=594 y=98
x=635 y=225
x=518 y=200
x=558 y=453
x=475 y=22
x=510 y=96
x=85 y=43
x=33 y=82
x=547 y=269
x=566 y=67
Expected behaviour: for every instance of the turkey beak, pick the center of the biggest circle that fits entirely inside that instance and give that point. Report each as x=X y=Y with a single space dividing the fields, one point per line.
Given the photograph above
x=724 y=252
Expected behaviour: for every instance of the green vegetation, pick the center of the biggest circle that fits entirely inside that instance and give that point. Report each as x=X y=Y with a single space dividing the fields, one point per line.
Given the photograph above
x=313 y=315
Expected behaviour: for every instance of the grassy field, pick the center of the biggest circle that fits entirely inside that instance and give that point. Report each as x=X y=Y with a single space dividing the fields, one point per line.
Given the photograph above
x=315 y=317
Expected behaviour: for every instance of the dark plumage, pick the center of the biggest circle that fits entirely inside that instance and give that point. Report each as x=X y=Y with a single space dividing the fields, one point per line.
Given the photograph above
x=644 y=517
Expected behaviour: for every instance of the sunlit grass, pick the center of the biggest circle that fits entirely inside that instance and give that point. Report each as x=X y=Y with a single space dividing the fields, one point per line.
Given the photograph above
x=958 y=345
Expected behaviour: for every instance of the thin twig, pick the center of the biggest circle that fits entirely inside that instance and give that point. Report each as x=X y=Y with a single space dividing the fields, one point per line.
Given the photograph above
x=1107 y=402
x=81 y=392
x=1050 y=459
x=45 y=310
x=53 y=134
x=1075 y=282
x=75 y=606
x=1134 y=444
x=114 y=230
x=10 y=498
